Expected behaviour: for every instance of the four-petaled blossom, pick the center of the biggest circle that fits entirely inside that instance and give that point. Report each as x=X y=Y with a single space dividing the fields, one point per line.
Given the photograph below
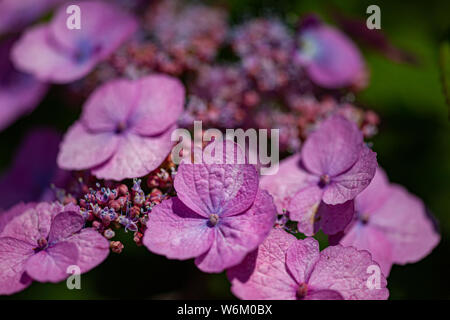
x=330 y=58
x=284 y=268
x=124 y=131
x=40 y=241
x=19 y=93
x=219 y=216
x=391 y=224
x=334 y=166
x=54 y=53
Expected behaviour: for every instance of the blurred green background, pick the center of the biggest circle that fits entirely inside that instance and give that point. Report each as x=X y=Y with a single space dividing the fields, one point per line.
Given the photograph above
x=413 y=145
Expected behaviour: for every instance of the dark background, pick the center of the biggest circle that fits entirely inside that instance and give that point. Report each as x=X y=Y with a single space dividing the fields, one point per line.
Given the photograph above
x=413 y=146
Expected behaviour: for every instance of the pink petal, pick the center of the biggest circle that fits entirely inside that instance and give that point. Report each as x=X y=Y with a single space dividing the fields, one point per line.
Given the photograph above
x=337 y=61
x=235 y=236
x=103 y=27
x=283 y=185
x=366 y=237
x=31 y=224
x=177 y=232
x=301 y=257
x=263 y=274
x=348 y=185
x=92 y=247
x=136 y=156
x=333 y=148
x=217 y=188
x=13 y=256
x=81 y=149
x=50 y=265
x=159 y=104
x=34 y=53
x=376 y=193
x=404 y=222
x=64 y=225
x=303 y=208
x=345 y=270
x=110 y=105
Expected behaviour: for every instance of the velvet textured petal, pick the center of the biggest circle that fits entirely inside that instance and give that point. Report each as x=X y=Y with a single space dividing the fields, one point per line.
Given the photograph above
x=301 y=258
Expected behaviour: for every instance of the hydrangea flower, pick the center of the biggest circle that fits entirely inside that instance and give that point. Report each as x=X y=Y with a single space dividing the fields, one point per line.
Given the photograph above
x=125 y=128
x=19 y=93
x=284 y=268
x=329 y=56
x=39 y=241
x=218 y=217
x=391 y=224
x=27 y=180
x=52 y=52
x=334 y=166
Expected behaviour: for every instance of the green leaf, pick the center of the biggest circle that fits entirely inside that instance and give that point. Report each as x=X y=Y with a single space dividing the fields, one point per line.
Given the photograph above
x=444 y=61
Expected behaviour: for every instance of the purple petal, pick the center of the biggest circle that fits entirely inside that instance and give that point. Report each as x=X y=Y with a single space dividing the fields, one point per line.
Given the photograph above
x=136 y=156
x=301 y=258
x=348 y=185
x=159 y=106
x=64 y=225
x=334 y=218
x=345 y=270
x=333 y=148
x=29 y=180
x=235 y=236
x=176 y=231
x=323 y=295
x=224 y=189
x=376 y=193
x=13 y=256
x=81 y=149
x=50 y=265
x=263 y=274
x=92 y=247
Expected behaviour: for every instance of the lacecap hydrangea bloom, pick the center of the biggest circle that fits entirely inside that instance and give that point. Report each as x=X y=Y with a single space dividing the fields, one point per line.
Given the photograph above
x=218 y=216
x=54 y=53
x=284 y=268
x=333 y=167
x=391 y=223
x=40 y=241
x=125 y=128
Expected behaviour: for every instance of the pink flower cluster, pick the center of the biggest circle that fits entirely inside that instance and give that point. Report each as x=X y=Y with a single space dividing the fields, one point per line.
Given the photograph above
x=78 y=188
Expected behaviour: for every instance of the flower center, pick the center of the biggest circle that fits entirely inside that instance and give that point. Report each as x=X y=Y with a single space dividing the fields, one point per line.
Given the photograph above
x=324 y=180
x=363 y=217
x=42 y=244
x=213 y=219
x=302 y=290
x=121 y=127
